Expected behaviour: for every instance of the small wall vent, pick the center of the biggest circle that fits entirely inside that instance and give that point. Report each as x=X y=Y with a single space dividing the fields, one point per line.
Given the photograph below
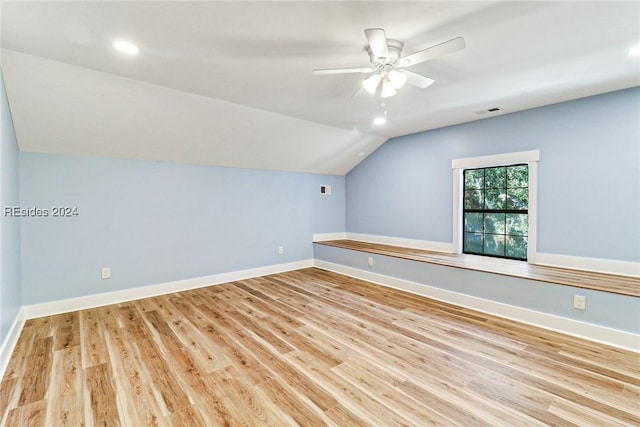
x=489 y=110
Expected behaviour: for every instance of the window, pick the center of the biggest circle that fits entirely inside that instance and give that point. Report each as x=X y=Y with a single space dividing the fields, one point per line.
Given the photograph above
x=495 y=211
x=503 y=160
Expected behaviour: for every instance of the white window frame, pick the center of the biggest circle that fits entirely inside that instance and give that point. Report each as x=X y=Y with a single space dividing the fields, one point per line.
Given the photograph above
x=531 y=158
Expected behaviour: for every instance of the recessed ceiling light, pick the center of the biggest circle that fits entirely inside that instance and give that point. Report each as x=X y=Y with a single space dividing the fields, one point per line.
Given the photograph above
x=379 y=120
x=635 y=51
x=125 y=47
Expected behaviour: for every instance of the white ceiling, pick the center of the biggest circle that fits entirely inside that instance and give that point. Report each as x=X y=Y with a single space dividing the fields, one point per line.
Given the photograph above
x=230 y=83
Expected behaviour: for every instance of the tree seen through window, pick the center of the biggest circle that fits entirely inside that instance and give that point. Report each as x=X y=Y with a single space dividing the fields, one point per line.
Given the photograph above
x=496 y=202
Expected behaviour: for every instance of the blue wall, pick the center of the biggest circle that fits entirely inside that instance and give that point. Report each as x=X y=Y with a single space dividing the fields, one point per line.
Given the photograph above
x=588 y=187
x=10 y=297
x=155 y=222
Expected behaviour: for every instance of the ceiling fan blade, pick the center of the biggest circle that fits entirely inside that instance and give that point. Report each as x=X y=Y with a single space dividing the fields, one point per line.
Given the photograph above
x=418 y=79
x=342 y=71
x=378 y=42
x=432 y=52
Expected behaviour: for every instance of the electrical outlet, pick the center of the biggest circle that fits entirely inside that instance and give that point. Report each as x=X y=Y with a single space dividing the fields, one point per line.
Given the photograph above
x=370 y=261
x=579 y=302
x=106 y=273
x=280 y=250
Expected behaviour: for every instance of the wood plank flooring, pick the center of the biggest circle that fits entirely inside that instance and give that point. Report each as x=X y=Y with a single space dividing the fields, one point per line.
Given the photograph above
x=309 y=348
x=624 y=285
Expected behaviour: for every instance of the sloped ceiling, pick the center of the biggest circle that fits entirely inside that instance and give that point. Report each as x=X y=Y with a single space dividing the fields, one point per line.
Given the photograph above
x=230 y=84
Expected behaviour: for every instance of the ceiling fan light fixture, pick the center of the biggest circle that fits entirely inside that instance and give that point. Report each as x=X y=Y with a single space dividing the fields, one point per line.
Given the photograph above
x=397 y=78
x=371 y=83
x=387 y=89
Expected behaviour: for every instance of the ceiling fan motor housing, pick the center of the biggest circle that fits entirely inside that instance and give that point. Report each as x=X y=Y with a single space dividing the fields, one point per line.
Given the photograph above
x=395 y=51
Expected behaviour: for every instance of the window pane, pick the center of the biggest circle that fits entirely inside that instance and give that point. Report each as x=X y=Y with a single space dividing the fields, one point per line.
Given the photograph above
x=518 y=198
x=516 y=247
x=474 y=179
x=494 y=223
x=495 y=214
x=495 y=199
x=495 y=178
x=473 y=199
x=494 y=244
x=517 y=224
x=473 y=242
x=473 y=222
x=518 y=176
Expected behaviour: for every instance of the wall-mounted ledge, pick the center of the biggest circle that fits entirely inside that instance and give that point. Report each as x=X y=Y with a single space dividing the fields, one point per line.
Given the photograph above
x=605 y=266
x=621 y=268
x=605 y=282
x=388 y=240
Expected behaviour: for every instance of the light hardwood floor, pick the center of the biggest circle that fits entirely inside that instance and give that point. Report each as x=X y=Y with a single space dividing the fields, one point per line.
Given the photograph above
x=309 y=348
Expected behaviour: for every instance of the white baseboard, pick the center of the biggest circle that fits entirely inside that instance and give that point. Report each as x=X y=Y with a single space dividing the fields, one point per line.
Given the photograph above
x=609 y=336
x=624 y=268
x=10 y=341
x=402 y=242
x=98 y=300
x=329 y=236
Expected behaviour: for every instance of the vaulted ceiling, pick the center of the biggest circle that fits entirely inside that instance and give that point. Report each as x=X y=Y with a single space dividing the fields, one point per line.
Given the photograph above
x=230 y=83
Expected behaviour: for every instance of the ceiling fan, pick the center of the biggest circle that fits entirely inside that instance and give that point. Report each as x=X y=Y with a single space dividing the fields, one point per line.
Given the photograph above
x=385 y=56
